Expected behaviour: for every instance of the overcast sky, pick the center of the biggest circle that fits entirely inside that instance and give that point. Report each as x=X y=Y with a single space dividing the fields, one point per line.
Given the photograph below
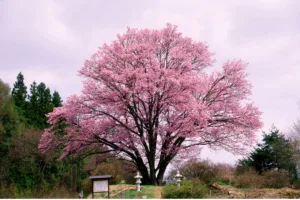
x=49 y=40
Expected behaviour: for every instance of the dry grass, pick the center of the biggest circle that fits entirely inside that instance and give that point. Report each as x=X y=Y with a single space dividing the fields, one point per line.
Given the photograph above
x=264 y=193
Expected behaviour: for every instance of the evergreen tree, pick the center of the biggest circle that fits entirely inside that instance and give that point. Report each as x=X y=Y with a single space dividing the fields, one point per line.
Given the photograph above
x=19 y=91
x=44 y=104
x=56 y=99
x=19 y=94
x=33 y=105
x=275 y=153
x=22 y=166
x=41 y=102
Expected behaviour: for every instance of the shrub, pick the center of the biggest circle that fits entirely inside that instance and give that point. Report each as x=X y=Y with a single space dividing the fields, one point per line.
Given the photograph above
x=249 y=178
x=268 y=179
x=194 y=169
x=275 y=179
x=188 y=189
x=87 y=187
x=120 y=170
x=224 y=172
x=204 y=170
x=296 y=184
x=60 y=192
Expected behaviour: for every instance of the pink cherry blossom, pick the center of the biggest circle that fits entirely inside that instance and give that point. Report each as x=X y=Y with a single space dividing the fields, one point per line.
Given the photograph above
x=148 y=97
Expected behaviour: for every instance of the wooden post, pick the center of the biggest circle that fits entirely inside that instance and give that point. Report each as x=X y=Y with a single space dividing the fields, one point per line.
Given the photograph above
x=93 y=190
x=108 y=189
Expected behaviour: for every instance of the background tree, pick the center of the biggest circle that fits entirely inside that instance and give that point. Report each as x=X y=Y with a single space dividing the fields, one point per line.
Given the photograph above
x=19 y=94
x=294 y=136
x=275 y=153
x=294 y=133
x=9 y=127
x=33 y=115
x=44 y=104
x=8 y=119
x=148 y=98
x=56 y=99
x=24 y=171
x=40 y=103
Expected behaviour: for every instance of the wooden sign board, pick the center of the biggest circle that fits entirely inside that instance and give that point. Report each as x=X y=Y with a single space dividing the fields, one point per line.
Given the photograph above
x=100 y=186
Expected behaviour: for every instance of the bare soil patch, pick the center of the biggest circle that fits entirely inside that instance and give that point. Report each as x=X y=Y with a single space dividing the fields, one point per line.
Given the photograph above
x=226 y=191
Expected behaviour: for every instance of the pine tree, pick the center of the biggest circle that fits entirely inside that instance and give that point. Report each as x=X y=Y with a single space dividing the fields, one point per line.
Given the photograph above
x=275 y=153
x=33 y=105
x=56 y=99
x=19 y=91
x=19 y=94
x=44 y=104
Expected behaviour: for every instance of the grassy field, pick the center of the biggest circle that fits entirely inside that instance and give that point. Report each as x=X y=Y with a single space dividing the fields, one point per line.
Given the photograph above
x=129 y=192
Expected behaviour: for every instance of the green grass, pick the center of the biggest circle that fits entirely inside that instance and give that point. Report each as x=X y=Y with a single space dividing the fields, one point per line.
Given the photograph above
x=227 y=183
x=146 y=190
x=222 y=183
x=147 y=186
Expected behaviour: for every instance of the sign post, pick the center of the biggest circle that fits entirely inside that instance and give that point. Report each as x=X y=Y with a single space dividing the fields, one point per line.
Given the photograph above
x=100 y=184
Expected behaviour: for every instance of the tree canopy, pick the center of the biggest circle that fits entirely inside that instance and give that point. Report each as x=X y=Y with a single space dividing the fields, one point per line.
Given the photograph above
x=33 y=106
x=8 y=119
x=56 y=99
x=19 y=94
x=148 y=97
x=24 y=170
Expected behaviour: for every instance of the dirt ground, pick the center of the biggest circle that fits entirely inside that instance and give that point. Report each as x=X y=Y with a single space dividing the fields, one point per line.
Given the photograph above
x=265 y=193
x=157 y=192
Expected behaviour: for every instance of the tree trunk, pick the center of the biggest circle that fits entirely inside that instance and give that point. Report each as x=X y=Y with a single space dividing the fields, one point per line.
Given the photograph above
x=161 y=173
x=145 y=175
x=152 y=179
x=152 y=172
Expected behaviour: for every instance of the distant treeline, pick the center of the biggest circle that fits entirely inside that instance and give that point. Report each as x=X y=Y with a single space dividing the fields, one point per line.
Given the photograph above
x=24 y=171
x=27 y=173
x=33 y=106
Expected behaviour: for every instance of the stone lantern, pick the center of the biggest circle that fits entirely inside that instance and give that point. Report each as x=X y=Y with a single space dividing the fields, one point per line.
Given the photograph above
x=138 y=181
x=178 y=177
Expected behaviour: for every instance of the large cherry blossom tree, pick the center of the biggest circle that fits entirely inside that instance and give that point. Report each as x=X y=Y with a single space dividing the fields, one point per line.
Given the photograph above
x=148 y=97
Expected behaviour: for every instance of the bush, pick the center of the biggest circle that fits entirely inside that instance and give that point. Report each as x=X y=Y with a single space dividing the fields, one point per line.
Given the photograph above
x=275 y=179
x=87 y=187
x=249 y=178
x=204 y=170
x=188 y=189
x=224 y=172
x=120 y=170
x=57 y=191
x=268 y=179
x=296 y=184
